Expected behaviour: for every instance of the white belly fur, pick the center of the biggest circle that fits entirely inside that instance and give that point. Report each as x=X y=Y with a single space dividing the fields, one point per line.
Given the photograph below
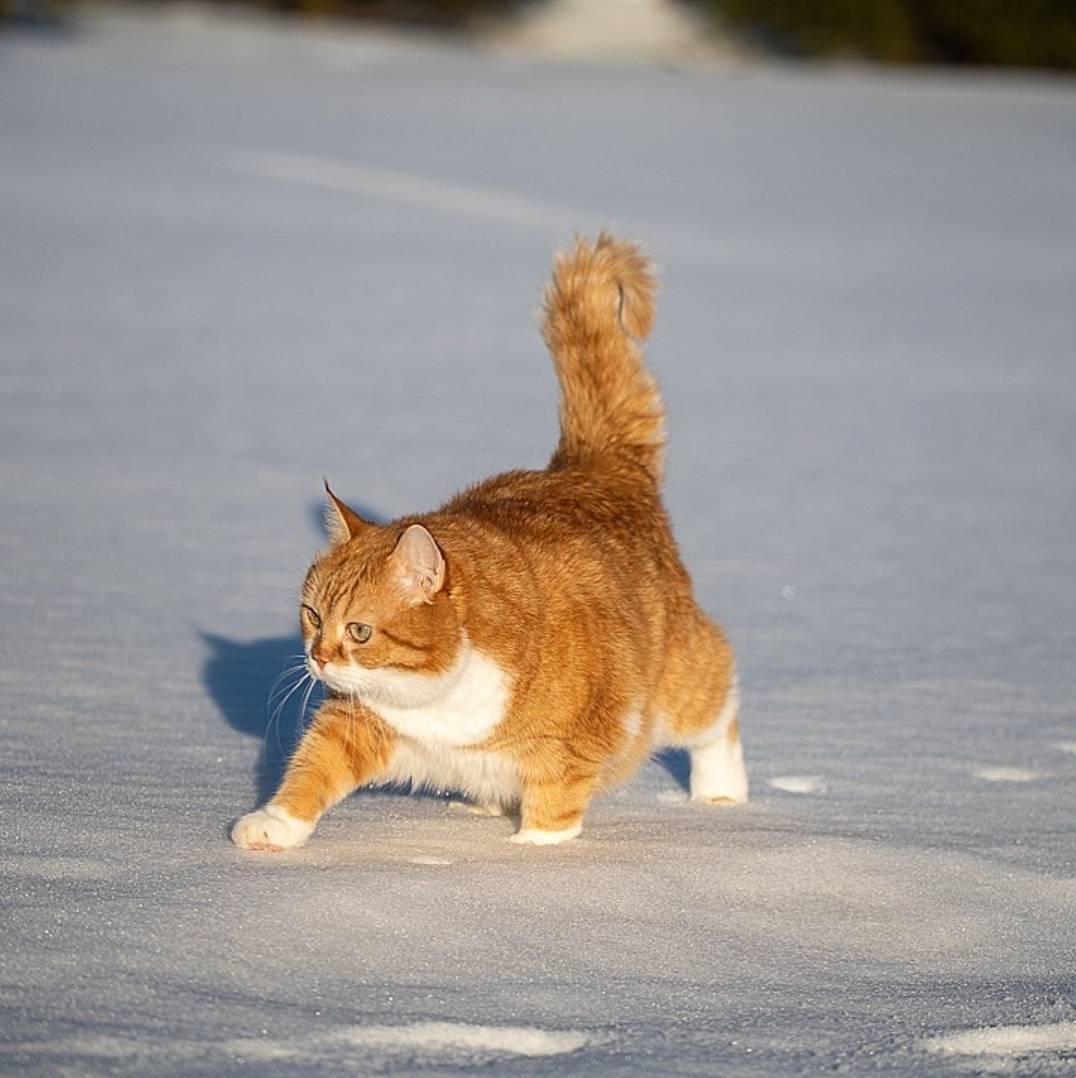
x=488 y=778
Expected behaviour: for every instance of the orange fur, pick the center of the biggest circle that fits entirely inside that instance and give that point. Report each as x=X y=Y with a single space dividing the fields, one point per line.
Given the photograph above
x=566 y=581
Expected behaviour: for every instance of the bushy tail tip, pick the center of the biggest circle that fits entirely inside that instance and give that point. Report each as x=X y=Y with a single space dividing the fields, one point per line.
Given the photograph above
x=599 y=303
x=617 y=268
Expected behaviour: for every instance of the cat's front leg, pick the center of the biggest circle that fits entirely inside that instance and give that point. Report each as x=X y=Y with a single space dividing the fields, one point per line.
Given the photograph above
x=344 y=747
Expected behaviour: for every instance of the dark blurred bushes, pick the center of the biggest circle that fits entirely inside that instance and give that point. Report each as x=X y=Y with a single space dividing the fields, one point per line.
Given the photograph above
x=437 y=12
x=1029 y=33
x=1026 y=33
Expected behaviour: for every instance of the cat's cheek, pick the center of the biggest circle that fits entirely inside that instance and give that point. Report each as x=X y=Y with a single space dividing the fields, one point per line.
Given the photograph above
x=271 y=829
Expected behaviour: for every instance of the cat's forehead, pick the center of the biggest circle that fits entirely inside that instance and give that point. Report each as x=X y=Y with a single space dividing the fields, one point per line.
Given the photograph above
x=348 y=561
x=343 y=582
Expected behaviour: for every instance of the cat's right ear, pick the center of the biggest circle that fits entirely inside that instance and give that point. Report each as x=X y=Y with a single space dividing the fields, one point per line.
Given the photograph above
x=341 y=521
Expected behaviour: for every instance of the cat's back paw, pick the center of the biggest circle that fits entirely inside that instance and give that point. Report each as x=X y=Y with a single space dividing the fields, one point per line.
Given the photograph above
x=270 y=829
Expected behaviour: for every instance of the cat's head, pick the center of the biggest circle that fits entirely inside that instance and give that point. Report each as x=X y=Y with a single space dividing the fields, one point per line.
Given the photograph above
x=376 y=613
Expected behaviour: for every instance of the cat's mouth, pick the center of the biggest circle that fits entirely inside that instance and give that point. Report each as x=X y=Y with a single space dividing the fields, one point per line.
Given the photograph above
x=339 y=679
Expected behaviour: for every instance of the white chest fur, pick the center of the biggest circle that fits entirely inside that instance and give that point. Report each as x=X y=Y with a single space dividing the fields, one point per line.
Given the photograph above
x=438 y=718
x=461 y=706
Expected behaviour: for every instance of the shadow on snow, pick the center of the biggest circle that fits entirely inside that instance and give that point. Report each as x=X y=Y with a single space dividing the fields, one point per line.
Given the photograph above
x=239 y=676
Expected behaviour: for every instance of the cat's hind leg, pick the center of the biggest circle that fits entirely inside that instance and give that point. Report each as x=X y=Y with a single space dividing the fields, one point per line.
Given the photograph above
x=699 y=708
x=718 y=774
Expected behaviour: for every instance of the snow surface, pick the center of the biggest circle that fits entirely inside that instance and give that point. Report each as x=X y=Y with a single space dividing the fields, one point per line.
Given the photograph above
x=235 y=256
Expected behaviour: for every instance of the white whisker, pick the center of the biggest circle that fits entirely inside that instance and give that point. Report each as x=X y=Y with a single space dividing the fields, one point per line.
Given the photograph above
x=277 y=712
x=276 y=688
x=306 y=700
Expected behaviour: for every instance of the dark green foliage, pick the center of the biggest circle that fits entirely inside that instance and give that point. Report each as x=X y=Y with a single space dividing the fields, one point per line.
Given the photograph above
x=1033 y=33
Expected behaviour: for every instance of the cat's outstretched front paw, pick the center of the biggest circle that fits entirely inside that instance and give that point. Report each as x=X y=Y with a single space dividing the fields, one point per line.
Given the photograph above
x=271 y=829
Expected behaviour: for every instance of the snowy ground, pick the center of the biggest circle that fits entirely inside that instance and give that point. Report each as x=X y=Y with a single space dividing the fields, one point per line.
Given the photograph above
x=234 y=259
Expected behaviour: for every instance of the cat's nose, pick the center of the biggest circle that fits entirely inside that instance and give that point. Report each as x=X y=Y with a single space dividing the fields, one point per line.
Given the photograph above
x=320 y=657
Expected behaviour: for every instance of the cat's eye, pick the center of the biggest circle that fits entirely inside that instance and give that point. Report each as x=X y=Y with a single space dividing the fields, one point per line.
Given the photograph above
x=313 y=615
x=359 y=631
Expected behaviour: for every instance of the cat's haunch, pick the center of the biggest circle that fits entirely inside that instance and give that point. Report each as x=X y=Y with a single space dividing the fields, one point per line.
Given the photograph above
x=536 y=638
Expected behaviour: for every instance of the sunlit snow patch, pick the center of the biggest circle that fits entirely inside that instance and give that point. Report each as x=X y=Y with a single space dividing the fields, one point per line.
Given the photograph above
x=349 y=1050
x=1005 y=1042
x=1007 y=774
x=445 y=1040
x=798 y=784
x=446 y=1036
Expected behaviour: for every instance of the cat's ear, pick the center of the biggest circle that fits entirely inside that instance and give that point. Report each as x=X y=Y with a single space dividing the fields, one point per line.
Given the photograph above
x=419 y=564
x=341 y=521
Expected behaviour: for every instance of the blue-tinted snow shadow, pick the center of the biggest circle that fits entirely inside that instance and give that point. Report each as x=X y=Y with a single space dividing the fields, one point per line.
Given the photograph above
x=678 y=764
x=240 y=676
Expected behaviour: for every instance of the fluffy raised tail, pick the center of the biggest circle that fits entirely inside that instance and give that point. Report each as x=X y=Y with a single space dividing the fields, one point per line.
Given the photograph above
x=599 y=303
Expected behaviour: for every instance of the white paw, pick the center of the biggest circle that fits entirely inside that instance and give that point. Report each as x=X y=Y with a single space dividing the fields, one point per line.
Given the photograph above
x=271 y=828
x=718 y=774
x=537 y=837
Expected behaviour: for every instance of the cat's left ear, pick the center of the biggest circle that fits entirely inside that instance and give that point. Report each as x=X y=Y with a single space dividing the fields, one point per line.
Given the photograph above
x=419 y=564
x=341 y=521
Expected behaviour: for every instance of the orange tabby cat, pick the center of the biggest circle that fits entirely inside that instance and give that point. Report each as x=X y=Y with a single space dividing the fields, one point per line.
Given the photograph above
x=536 y=638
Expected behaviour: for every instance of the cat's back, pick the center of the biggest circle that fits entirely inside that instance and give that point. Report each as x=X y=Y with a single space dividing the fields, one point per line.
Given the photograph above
x=568 y=502
x=574 y=530
x=568 y=507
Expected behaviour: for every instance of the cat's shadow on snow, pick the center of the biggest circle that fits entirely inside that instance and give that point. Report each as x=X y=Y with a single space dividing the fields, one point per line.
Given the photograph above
x=678 y=764
x=239 y=676
x=249 y=679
